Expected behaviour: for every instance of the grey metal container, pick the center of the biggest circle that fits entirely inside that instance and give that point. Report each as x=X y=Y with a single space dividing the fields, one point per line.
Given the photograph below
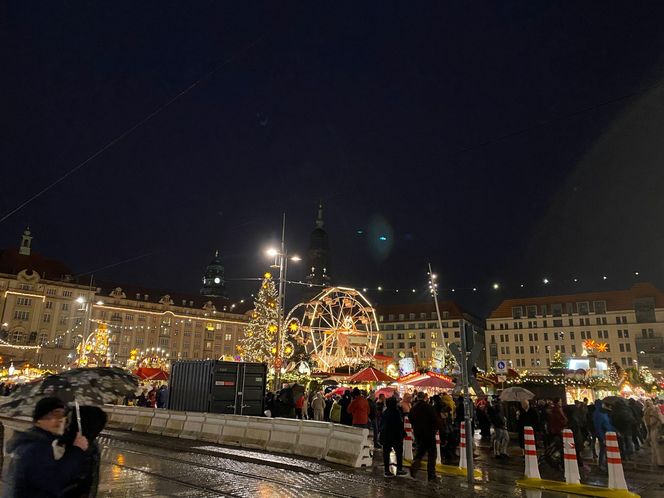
x=217 y=387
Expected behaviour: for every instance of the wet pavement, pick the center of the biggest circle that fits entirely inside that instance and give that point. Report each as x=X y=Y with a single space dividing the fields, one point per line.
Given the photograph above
x=154 y=466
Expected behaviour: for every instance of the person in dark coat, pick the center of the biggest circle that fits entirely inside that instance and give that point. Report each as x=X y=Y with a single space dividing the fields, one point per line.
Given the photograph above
x=93 y=420
x=346 y=418
x=37 y=468
x=425 y=424
x=391 y=436
x=623 y=420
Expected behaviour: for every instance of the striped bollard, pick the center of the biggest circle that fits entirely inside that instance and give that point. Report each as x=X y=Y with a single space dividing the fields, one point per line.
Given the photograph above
x=530 y=450
x=569 y=455
x=614 y=462
x=408 y=440
x=438 y=460
x=463 y=464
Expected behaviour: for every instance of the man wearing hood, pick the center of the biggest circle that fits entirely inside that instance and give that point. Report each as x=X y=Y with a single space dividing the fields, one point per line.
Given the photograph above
x=602 y=424
x=35 y=471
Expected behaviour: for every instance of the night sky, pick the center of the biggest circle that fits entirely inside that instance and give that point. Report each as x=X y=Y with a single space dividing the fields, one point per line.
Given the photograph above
x=502 y=141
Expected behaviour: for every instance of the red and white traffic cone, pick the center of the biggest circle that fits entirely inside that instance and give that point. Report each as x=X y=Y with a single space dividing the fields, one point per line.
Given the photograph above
x=408 y=440
x=614 y=462
x=438 y=460
x=569 y=454
x=463 y=464
x=530 y=450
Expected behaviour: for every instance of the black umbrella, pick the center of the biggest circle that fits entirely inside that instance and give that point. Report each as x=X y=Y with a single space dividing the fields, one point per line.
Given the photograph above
x=87 y=386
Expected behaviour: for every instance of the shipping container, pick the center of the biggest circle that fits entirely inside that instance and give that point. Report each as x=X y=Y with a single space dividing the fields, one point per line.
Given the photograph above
x=217 y=387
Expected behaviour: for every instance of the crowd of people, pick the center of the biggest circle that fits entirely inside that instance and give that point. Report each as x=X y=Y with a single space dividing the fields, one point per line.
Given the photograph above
x=149 y=396
x=638 y=423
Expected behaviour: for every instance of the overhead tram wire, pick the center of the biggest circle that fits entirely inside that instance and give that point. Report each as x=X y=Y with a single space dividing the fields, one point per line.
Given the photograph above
x=133 y=128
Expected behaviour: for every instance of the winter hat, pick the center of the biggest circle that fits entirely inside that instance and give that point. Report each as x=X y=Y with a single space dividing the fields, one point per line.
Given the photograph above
x=46 y=406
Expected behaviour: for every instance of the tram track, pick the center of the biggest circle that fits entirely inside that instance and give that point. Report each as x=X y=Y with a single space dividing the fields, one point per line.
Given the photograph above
x=197 y=465
x=358 y=485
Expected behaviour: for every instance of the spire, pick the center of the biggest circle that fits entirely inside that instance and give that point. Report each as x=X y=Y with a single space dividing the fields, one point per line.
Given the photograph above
x=214 y=283
x=319 y=220
x=26 y=242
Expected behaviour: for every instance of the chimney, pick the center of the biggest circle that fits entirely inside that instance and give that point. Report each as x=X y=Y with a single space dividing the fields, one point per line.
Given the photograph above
x=138 y=296
x=146 y=297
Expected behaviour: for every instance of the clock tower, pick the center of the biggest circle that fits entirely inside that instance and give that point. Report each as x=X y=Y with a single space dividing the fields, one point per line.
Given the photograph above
x=214 y=284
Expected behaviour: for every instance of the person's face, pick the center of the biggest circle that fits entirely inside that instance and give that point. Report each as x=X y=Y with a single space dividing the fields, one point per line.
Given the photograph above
x=53 y=422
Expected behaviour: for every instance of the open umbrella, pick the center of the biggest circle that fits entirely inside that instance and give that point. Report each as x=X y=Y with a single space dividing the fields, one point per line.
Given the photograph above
x=339 y=391
x=388 y=392
x=516 y=394
x=88 y=386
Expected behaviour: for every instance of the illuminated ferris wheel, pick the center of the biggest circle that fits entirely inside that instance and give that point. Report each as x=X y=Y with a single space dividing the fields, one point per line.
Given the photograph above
x=337 y=328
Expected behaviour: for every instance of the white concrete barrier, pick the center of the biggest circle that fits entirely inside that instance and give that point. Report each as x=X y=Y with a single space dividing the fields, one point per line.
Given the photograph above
x=212 y=427
x=193 y=425
x=142 y=418
x=235 y=428
x=313 y=438
x=175 y=424
x=349 y=446
x=159 y=421
x=258 y=432
x=128 y=415
x=285 y=432
x=114 y=414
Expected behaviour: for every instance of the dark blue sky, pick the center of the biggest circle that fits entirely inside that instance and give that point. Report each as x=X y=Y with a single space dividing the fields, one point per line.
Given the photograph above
x=502 y=141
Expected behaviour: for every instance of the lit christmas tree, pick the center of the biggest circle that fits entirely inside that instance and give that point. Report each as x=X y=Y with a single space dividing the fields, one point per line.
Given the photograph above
x=558 y=363
x=258 y=343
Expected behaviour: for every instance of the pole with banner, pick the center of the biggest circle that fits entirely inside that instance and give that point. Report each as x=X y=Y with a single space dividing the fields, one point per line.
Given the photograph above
x=466 y=333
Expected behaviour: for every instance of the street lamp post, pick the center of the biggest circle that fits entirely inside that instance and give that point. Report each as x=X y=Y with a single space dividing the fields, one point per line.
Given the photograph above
x=281 y=262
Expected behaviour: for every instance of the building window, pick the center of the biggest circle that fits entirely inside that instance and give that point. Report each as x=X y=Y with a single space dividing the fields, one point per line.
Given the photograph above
x=571 y=335
x=583 y=308
x=24 y=301
x=65 y=307
x=626 y=334
x=628 y=347
x=46 y=319
x=51 y=291
x=17 y=337
x=66 y=293
x=402 y=316
x=600 y=307
x=21 y=315
x=531 y=311
x=517 y=312
x=49 y=305
x=227 y=337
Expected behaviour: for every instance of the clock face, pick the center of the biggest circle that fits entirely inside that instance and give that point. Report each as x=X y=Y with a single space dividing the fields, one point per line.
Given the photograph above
x=217 y=280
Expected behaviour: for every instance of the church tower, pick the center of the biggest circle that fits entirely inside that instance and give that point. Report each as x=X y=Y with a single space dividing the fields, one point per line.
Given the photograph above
x=26 y=243
x=214 y=284
x=318 y=254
